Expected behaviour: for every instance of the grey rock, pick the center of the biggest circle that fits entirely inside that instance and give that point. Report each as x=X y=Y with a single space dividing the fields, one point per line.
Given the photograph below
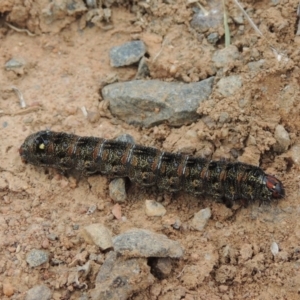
x=202 y=22
x=209 y=122
x=127 y=54
x=14 y=64
x=143 y=69
x=200 y=219
x=224 y=117
x=275 y=2
x=52 y=237
x=144 y=243
x=117 y=277
x=154 y=209
x=117 y=190
x=225 y=57
x=239 y=19
x=39 y=292
x=283 y=139
x=241 y=29
x=227 y=86
x=288 y=97
x=255 y=66
x=126 y=138
x=213 y=38
x=37 y=257
x=152 y=102
x=91 y=3
x=99 y=235
x=177 y=224
x=83 y=297
x=161 y=268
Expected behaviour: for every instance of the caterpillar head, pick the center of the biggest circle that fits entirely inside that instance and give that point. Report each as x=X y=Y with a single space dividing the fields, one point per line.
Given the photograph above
x=34 y=149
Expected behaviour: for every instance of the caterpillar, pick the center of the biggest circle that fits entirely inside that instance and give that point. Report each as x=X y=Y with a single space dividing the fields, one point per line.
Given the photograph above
x=147 y=166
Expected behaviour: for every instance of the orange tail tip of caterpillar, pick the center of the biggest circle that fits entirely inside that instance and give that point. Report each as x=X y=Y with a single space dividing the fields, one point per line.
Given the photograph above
x=275 y=186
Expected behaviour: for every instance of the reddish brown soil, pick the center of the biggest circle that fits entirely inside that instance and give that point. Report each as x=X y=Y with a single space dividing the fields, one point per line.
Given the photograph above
x=65 y=65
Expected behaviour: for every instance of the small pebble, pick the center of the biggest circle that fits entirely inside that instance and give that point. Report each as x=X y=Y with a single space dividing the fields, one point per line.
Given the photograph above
x=117 y=212
x=127 y=54
x=177 y=224
x=45 y=244
x=203 y=22
x=213 y=38
x=161 y=267
x=226 y=56
x=39 y=292
x=255 y=66
x=8 y=289
x=99 y=235
x=274 y=248
x=37 y=257
x=126 y=138
x=295 y=153
x=283 y=139
x=239 y=19
x=154 y=209
x=227 y=86
x=117 y=190
x=13 y=64
x=200 y=219
x=91 y=209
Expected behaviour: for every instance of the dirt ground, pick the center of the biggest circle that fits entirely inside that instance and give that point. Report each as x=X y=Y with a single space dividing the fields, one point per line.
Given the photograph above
x=65 y=57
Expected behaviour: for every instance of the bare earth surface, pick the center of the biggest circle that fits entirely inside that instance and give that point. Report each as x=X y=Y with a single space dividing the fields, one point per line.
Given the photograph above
x=65 y=65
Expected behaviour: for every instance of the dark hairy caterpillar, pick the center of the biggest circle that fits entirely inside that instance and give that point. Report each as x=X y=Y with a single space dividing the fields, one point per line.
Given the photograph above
x=148 y=166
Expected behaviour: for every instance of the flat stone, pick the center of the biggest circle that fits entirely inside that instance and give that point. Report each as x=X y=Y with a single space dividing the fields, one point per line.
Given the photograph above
x=99 y=235
x=117 y=278
x=37 y=257
x=154 y=209
x=127 y=54
x=14 y=64
x=144 y=243
x=227 y=86
x=200 y=219
x=39 y=292
x=152 y=102
x=117 y=190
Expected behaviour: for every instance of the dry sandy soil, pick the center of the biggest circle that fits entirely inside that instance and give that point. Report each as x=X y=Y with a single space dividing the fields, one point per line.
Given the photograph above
x=66 y=62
